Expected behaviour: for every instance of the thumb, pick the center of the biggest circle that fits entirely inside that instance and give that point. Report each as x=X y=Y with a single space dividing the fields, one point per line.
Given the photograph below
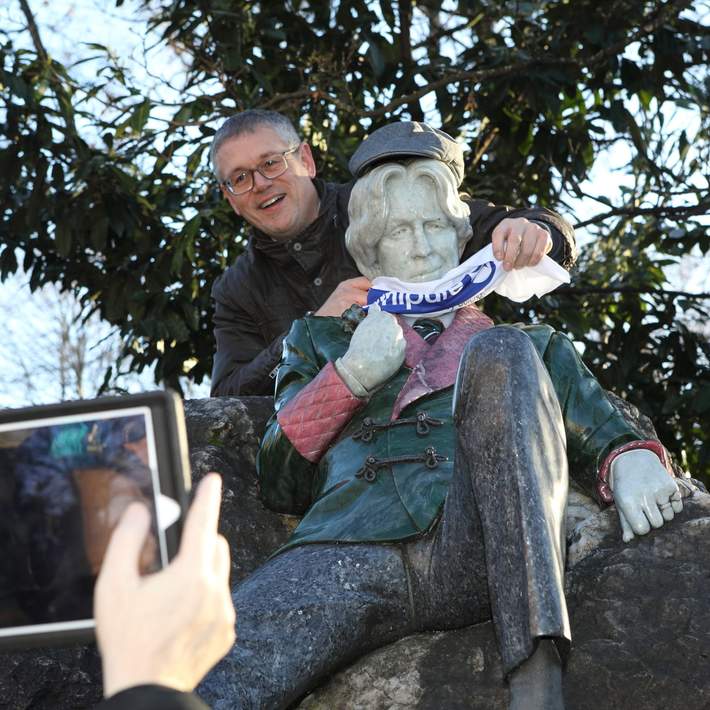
x=121 y=561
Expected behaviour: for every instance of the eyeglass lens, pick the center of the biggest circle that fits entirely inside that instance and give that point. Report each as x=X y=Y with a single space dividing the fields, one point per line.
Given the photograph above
x=273 y=167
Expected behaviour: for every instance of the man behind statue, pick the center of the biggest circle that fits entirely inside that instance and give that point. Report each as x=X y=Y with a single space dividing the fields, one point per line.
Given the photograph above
x=430 y=470
x=296 y=260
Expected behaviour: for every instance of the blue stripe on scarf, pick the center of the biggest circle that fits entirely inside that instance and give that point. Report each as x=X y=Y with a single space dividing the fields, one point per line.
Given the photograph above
x=415 y=302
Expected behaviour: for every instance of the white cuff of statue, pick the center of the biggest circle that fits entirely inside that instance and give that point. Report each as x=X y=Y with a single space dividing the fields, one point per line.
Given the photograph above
x=646 y=495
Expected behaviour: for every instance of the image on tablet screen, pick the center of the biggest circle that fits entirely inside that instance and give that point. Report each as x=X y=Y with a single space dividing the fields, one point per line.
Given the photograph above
x=64 y=482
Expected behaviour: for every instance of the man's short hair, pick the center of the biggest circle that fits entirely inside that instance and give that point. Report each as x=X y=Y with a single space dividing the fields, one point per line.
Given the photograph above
x=247 y=122
x=369 y=207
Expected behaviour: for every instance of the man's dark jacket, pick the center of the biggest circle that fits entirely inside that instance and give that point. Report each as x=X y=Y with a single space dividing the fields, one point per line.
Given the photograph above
x=273 y=283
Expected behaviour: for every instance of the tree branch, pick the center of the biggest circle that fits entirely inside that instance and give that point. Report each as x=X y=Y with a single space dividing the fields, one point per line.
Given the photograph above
x=63 y=98
x=483 y=147
x=661 y=211
x=482 y=75
x=584 y=290
x=405 y=54
x=33 y=30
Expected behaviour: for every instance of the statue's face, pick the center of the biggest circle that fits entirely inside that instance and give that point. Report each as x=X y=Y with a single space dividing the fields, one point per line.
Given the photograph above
x=420 y=244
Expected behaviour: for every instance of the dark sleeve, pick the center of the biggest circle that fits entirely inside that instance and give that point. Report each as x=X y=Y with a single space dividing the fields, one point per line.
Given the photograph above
x=485 y=217
x=243 y=362
x=244 y=358
x=152 y=697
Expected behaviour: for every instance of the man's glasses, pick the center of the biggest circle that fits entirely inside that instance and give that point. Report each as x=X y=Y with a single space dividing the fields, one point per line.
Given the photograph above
x=243 y=181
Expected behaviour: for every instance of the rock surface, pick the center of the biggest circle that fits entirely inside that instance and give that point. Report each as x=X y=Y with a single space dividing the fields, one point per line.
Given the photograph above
x=224 y=436
x=640 y=612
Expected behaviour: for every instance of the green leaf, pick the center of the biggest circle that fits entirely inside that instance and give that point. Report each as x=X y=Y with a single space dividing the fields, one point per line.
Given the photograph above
x=99 y=232
x=62 y=238
x=8 y=262
x=140 y=116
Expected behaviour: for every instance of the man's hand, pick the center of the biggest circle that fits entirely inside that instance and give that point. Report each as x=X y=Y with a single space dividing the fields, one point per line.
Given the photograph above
x=171 y=627
x=376 y=351
x=518 y=242
x=346 y=293
x=646 y=495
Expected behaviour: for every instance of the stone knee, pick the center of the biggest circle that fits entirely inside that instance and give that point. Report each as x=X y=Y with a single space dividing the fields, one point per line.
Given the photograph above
x=495 y=363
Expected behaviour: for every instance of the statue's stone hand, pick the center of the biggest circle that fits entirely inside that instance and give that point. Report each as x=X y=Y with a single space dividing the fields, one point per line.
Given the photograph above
x=376 y=353
x=646 y=495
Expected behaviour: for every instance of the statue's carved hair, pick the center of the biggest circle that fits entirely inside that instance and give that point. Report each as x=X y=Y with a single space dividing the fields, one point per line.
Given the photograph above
x=369 y=207
x=248 y=122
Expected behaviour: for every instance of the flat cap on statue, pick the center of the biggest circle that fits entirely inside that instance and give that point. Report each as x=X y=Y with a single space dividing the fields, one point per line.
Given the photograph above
x=407 y=139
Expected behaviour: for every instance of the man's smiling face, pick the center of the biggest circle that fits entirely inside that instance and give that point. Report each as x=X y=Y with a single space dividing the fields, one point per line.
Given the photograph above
x=281 y=207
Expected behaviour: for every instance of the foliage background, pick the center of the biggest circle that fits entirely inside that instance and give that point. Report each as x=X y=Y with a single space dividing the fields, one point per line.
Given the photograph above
x=105 y=188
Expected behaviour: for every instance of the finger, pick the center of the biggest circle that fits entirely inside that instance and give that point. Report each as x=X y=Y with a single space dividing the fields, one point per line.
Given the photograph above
x=528 y=244
x=677 y=502
x=361 y=283
x=359 y=297
x=637 y=520
x=122 y=557
x=543 y=244
x=498 y=239
x=512 y=249
x=222 y=570
x=222 y=563
x=667 y=511
x=626 y=531
x=200 y=528
x=653 y=514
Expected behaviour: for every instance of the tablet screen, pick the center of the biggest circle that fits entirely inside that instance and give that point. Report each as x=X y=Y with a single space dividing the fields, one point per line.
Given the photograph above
x=64 y=482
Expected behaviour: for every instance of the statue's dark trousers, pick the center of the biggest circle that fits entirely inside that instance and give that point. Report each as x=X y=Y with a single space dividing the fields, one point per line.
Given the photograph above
x=497 y=551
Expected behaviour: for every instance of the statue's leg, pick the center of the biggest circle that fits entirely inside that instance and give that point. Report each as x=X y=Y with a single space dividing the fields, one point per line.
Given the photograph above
x=502 y=523
x=304 y=614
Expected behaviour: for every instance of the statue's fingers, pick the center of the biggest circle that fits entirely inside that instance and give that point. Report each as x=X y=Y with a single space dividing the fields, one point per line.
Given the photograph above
x=666 y=510
x=636 y=519
x=676 y=502
x=653 y=513
x=626 y=531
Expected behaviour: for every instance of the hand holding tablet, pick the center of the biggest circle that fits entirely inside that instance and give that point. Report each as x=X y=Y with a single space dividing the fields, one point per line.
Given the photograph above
x=171 y=627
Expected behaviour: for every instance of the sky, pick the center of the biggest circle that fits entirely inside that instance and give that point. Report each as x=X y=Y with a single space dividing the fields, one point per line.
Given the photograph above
x=66 y=26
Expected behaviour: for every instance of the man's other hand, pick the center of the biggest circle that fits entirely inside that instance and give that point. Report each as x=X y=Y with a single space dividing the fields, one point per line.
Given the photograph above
x=517 y=242
x=346 y=293
x=646 y=495
x=171 y=627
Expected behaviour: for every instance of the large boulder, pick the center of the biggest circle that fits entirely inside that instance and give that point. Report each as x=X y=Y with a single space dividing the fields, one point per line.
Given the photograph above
x=640 y=612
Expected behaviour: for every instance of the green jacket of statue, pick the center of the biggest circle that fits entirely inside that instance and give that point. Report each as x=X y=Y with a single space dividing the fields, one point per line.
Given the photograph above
x=378 y=470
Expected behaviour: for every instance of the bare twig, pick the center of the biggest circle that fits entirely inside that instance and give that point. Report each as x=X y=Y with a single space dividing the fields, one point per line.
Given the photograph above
x=521 y=68
x=584 y=290
x=63 y=98
x=660 y=211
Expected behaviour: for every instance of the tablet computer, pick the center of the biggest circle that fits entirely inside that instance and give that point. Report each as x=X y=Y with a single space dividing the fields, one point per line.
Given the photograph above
x=67 y=472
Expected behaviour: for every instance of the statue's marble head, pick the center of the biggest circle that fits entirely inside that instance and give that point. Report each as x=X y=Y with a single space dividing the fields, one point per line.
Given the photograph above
x=407 y=221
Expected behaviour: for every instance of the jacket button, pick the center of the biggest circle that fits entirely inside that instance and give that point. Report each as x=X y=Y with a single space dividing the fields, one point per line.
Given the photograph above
x=297 y=246
x=318 y=281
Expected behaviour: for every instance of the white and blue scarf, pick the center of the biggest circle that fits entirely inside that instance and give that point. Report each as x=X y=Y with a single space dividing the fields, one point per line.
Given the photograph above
x=467 y=283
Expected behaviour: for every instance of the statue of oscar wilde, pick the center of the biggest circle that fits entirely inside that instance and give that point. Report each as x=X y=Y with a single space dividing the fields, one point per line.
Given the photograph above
x=429 y=461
